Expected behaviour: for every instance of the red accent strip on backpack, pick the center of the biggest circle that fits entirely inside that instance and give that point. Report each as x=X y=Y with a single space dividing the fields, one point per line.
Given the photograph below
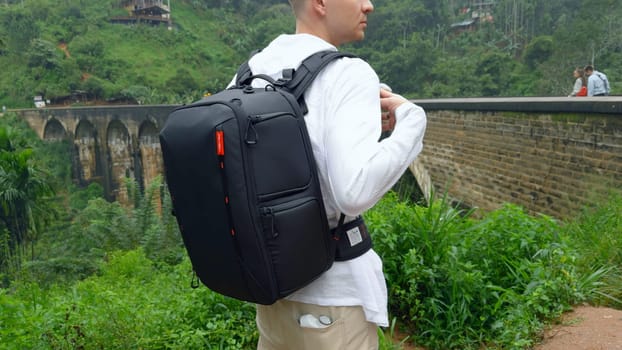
x=220 y=143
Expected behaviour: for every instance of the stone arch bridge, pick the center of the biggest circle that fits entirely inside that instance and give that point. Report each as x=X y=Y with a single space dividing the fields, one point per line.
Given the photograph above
x=110 y=144
x=550 y=155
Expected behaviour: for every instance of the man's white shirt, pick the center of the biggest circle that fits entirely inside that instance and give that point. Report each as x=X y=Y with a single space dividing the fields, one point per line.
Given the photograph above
x=355 y=170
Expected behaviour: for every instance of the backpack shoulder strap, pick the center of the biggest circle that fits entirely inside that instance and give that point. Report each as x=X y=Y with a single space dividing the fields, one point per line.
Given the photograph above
x=600 y=75
x=310 y=68
x=244 y=71
x=297 y=82
x=605 y=81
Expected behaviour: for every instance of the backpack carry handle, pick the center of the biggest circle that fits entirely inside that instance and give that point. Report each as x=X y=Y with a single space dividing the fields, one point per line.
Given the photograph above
x=247 y=79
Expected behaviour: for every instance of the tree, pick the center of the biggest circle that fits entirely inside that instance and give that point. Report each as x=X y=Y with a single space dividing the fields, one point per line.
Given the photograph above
x=136 y=93
x=405 y=68
x=23 y=190
x=182 y=82
x=392 y=25
x=43 y=54
x=603 y=21
x=271 y=22
x=494 y=71
x=20 y=29
x=538 y=50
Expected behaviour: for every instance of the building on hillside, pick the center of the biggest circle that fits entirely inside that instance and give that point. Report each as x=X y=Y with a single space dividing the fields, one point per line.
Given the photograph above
x=463 y=26
x=474 y=13
x=153 y=12
x=39 y=101
x=482 y=11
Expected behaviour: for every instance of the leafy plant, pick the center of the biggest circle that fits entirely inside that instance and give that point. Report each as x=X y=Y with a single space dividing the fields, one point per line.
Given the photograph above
x=455 y=282
x=595 y=234
x=131 y=304
x=23 y=190
x=386 y=338
x=462 y=283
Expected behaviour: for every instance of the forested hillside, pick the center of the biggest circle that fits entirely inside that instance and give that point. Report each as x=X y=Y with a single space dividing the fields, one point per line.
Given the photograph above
x=78 y=272
x=70 y=52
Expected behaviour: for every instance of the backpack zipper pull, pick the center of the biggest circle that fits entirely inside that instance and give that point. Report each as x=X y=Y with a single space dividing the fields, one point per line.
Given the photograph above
x=250 y=127
x=269 y=225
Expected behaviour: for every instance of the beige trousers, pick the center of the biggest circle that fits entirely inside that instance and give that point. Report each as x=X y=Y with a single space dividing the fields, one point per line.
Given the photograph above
x=279 y=328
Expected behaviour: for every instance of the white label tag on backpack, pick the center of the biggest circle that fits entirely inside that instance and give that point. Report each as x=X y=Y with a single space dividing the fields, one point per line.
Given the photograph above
x=354 y=236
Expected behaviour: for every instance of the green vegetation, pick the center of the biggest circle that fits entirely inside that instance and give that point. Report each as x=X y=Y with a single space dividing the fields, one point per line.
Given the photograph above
x=90 y=274
x=462 y=283
x=77 y=272
x=130 y=304
x=25 y=206
x=71 y=53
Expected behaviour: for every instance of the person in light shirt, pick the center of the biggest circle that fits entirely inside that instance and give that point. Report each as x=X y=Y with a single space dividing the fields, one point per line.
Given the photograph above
x=580 y=84
x=597 y=82
x=347 y=113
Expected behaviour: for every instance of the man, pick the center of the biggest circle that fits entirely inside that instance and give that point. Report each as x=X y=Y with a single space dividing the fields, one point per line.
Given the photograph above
x=343 y=307
x=597 y=82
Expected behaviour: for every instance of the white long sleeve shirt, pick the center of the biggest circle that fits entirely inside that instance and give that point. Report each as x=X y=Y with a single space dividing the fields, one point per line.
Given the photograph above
x=578 y=83
x=597 y=84
x=355 y=170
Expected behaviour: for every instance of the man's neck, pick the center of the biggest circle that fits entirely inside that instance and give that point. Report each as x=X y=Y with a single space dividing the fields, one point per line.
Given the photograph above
x=315 y=28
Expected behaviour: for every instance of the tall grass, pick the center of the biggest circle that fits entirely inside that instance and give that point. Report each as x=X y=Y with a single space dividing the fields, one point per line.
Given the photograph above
x=455 y=282
x=131 y=304
x=596 y=234
x=460 y=283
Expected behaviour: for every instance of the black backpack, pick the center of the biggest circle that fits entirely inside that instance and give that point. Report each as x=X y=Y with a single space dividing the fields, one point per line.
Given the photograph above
x=246 y=195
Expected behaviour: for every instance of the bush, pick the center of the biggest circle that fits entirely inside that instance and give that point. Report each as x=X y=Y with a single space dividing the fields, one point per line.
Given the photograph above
x=458 y=283
x=595 y=234
x=111 y=277
x=74 y=249
x=130 y=305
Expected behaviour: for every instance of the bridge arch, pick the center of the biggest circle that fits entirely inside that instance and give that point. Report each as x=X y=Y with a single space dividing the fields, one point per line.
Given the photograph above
x=91 y=130
x=148 y=132
x=120 y=159
x=149 y=148
x=54 y=130
x=87 y=153
x=150 y=159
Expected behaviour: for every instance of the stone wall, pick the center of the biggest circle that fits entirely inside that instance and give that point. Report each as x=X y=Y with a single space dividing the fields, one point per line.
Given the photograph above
x=550 y=155
x=549 y=159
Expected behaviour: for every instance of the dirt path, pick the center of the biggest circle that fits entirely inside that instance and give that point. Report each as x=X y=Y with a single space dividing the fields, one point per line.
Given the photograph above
x=584 y=328
x=63 y=48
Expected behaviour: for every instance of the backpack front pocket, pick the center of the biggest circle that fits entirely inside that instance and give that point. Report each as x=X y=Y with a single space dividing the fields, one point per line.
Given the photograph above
x=275 y=144
x=296 y=242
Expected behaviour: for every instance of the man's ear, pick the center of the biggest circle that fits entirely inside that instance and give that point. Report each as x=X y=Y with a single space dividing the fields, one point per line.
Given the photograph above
x=319 y=7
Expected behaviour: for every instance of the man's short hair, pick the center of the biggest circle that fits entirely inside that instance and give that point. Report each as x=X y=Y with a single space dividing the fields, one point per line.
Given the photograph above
x=589 y=68
x=297 y=5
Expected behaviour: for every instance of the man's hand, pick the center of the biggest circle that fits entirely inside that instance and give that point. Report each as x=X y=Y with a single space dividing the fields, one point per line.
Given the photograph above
x=388 y=104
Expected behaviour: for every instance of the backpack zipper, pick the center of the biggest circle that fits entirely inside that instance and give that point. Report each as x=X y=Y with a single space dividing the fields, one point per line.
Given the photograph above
x=220 y=153
x=268 y=215
x=251 y=136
